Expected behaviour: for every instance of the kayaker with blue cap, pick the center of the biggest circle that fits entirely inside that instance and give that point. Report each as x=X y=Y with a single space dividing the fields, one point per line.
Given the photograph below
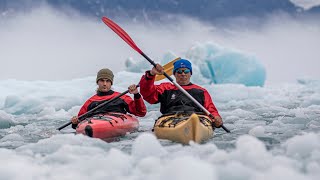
x=171 y=98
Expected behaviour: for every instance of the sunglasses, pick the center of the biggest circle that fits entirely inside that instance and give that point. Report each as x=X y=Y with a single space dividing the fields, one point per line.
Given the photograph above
x=180 y=71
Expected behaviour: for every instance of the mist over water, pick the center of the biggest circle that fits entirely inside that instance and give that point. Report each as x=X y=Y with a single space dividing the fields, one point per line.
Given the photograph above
x=49 y=45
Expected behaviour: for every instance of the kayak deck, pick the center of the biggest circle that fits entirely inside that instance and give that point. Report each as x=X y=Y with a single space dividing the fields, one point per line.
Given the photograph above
x=183 y=128
x=108 y=126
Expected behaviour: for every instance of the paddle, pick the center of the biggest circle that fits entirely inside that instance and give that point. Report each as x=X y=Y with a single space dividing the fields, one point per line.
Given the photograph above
x=87 y=114
x=118 y=30
x=168 y=68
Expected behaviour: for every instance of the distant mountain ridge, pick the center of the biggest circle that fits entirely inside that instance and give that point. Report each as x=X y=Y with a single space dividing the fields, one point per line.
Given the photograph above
x=314 y=10
x=207 y=10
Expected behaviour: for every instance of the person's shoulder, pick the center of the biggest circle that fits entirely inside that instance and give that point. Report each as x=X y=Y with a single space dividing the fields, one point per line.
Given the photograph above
x=92 y=98
x=167 y=85
x=124 y=97
x=116 y=93
x=198 y=87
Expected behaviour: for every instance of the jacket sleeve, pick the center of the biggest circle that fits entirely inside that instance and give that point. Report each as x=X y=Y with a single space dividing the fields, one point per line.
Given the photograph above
x=84 y=108
x=208 y=104
x=136 y=106
x=148 y=90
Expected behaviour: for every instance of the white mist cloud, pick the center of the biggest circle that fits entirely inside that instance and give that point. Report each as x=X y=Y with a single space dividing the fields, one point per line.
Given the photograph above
x=306 y=4
x=47 y=45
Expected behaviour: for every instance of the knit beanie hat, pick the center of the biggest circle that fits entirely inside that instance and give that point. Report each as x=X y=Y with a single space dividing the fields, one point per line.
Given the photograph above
x=182 y=63
x=105 y=74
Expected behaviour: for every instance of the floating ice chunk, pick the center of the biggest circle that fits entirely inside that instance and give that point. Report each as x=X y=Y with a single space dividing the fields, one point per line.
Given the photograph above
x=147 y=145
x=280 y=172
x=257 y=131
x=6 y=120
x=12 y=137
x=302 y=146
x=252 y=152
x=187 y=167
x=54 y=143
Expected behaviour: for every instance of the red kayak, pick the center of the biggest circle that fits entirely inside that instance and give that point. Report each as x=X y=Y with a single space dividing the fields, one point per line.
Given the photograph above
x=108 y=126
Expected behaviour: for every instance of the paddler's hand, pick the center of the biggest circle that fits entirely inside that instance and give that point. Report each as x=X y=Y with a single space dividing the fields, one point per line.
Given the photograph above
x=157 y=70
x=133 y=89
x=217 y=121
x=75 y=120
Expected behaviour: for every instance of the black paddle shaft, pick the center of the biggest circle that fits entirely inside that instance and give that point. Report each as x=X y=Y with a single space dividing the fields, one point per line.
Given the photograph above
x=85 y=115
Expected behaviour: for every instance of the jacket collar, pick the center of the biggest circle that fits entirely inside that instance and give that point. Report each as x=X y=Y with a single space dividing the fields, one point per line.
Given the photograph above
x=99 y=93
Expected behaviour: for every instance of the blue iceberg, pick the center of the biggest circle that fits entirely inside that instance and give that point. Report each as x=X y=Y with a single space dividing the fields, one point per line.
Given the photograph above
x=214 y=64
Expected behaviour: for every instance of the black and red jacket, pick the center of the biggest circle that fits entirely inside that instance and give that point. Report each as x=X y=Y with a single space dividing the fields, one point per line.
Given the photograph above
x=172 y=99
x=122 y=105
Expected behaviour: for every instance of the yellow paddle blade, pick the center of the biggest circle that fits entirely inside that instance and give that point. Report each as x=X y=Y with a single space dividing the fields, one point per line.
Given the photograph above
x=168 y=68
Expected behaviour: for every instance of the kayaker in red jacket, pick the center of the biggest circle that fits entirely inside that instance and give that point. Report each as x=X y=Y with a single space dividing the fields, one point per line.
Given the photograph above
x=171 y=98
x=125 y=104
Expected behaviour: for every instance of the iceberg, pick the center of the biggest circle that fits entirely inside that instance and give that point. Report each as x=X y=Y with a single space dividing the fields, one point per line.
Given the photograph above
x=212 y=63
x=227 y=66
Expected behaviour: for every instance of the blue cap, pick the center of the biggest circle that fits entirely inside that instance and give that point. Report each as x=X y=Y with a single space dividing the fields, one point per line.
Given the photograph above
x=182 y=63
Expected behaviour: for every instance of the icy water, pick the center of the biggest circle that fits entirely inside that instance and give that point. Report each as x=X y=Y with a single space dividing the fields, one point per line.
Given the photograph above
x=274 y=134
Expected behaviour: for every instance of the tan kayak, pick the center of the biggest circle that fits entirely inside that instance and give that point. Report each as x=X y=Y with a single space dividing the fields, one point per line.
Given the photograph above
x=184 y=128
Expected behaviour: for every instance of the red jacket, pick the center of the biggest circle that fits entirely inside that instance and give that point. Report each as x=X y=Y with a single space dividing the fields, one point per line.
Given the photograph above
x=172 y=99
x=122 y=105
